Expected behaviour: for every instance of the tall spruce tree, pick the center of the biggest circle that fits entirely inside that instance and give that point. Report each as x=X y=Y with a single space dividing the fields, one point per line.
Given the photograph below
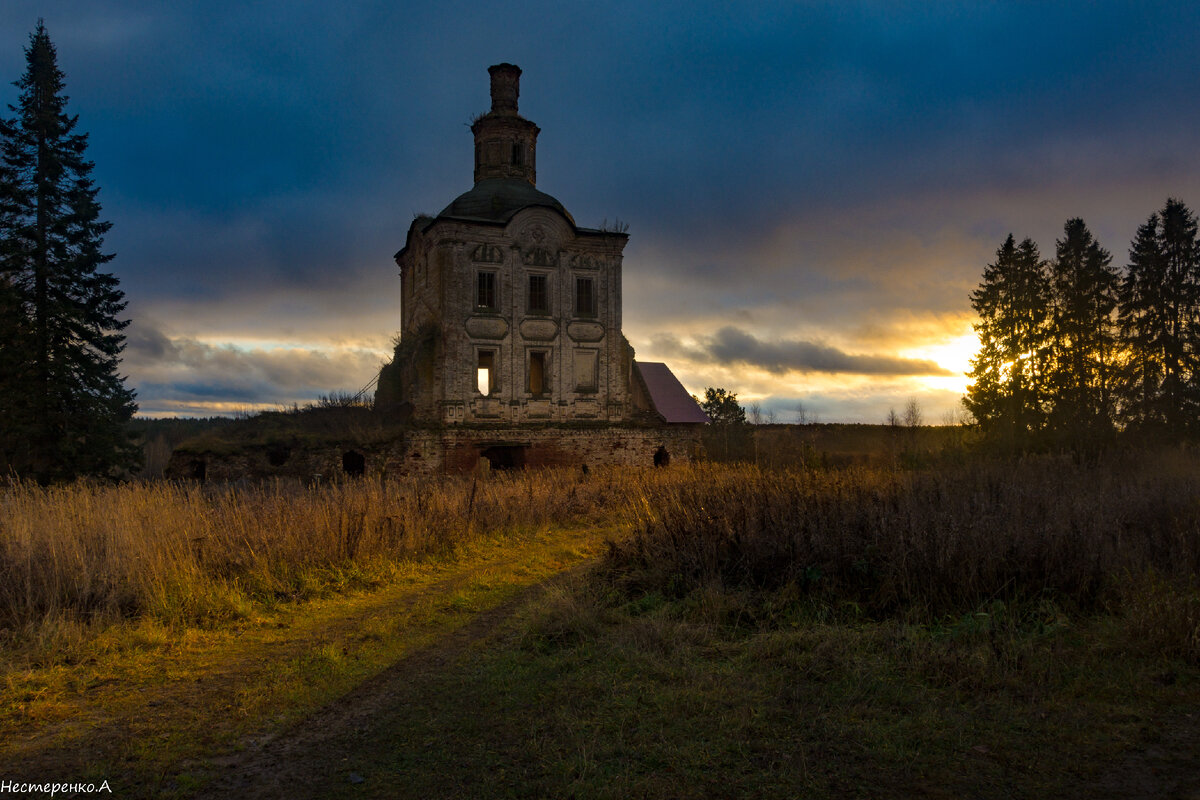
x=66 y=339
x=1083 y=376
x=1007 y=395
x=1160 y=324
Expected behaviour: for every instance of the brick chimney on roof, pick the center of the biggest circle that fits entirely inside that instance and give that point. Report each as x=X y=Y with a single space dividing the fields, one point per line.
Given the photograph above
x=506 y=87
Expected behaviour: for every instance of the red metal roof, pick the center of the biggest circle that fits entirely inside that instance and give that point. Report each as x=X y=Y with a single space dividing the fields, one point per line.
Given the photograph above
x=669 y=398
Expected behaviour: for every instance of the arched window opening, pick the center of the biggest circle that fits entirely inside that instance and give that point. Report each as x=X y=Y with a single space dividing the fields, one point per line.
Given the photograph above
x=661 y=457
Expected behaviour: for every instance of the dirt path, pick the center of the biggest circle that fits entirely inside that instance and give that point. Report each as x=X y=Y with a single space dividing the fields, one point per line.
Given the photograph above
x=313 y=758
x=154 y=722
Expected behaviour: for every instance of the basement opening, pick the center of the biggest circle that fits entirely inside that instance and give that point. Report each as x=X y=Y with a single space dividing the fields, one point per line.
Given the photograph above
x=354 y=463
x=198 y=471
x=505 y=456
x=278 y=455
x=661 y=457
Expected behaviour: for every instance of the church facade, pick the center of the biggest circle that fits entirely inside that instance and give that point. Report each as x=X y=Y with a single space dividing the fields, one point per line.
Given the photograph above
x=511 y=319
x=512 y=310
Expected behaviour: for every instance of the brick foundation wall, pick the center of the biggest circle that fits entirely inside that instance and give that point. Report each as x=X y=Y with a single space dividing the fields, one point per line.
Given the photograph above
x=426 y=451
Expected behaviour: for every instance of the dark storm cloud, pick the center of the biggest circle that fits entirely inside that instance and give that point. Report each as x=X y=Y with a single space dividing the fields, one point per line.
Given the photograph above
x=185 y=372
x=146 y=344
x=730 y=345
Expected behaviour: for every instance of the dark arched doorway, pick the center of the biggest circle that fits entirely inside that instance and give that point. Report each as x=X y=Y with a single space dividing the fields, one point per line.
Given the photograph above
x=503 y=456
x=354 y=463
x=661 y=457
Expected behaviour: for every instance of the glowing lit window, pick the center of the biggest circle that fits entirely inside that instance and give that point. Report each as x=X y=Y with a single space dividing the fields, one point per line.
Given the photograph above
x=486 y=373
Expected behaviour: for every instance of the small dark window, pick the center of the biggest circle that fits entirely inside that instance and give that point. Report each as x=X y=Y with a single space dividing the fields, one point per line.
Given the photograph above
x=537 y=374
x=539 y=299
x=485 y=291
x=585 y=297
x=518 y=155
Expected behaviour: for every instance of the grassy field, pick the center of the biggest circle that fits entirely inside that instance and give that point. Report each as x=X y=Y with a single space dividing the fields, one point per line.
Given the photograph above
x=968 y=627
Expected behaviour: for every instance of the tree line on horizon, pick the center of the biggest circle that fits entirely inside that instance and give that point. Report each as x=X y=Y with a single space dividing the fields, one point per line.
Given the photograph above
x=1074 y=351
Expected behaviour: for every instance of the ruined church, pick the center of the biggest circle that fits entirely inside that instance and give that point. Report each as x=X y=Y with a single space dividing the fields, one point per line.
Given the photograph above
x=511 y=321
x=510 y=354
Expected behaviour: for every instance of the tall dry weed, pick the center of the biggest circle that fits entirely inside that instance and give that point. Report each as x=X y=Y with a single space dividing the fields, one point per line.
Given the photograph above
x=187 y=553
x=938 y=539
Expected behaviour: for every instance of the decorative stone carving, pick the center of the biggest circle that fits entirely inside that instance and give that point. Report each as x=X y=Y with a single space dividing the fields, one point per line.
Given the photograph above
x=488 y=254
x=487 y=327
x=585 y=261
x=581 y=331
x=538 y=409
x=538 y=257
x=535 y=238
x=584 y=407
x=539 y=330
x=488 y=408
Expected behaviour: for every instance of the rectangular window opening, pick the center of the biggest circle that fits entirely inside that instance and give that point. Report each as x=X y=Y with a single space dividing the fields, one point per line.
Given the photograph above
x=486 y=372
x=537 y=374
x=485 y=291
x=585 y=370
x=585 y=297
x=539 y=297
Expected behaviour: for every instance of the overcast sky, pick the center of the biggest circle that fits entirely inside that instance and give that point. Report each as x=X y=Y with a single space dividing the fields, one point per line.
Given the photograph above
x=812 y=189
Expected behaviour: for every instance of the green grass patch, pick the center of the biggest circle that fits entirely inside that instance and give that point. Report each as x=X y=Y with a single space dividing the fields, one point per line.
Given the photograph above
x=599 y=697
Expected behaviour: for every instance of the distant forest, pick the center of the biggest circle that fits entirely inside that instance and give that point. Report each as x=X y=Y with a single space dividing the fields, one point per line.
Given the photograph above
x=1074 y=351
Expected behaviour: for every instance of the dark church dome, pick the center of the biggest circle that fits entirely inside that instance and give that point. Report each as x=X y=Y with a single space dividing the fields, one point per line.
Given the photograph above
x=498 y=199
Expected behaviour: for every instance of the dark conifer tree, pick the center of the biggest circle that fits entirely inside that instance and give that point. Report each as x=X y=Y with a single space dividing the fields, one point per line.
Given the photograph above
x=1160 y=324
x=68 y=335
x=1085 y=345
x=15 y=344
x=1007 y=396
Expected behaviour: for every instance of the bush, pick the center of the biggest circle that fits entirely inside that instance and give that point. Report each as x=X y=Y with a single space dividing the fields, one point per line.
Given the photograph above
x=933 y=541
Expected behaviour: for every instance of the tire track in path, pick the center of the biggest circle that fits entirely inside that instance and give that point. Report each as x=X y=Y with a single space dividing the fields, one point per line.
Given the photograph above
x=162 y=721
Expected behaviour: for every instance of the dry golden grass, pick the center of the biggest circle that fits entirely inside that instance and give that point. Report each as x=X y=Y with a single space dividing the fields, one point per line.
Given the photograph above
x=1121 y=534
x=90 y=554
